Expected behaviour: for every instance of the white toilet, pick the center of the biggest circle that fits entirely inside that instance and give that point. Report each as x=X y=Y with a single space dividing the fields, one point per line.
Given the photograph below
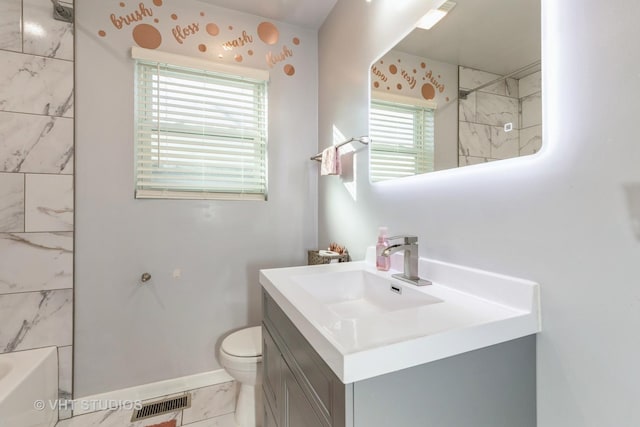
x=241 y=357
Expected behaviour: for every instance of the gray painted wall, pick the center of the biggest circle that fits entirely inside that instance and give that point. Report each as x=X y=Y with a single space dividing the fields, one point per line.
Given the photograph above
x=561 y=217
x=127 y=334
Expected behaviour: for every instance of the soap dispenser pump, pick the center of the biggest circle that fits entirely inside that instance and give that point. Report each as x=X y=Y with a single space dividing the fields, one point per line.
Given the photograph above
x=383 y=263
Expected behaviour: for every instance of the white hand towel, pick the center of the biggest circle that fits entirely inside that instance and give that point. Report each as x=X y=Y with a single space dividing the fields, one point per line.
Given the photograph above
x=330 y=161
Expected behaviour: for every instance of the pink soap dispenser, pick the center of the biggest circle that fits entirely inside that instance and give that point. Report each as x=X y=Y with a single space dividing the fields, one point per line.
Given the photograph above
x=383 y=263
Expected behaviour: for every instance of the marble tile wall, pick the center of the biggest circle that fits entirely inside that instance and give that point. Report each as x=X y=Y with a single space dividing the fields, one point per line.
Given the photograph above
x=531 y=125
x=484 y=114
x=10 y=33
x=11 y=202
x=211 y=406
x=65 y=359
x=482 y=117
x=36 y=182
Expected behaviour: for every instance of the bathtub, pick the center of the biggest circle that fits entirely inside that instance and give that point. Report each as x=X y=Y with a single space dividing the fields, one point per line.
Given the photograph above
x=26 y=379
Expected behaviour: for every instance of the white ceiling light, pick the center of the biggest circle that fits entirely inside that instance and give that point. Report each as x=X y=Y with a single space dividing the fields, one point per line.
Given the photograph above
x=435 y=15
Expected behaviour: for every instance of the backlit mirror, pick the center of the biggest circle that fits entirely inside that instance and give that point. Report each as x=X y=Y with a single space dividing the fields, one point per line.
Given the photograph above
x=466 y=91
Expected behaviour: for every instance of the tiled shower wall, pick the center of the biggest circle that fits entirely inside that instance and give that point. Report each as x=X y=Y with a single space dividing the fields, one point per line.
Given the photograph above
x=484 y=113
x=36 y=181
x=530 y=91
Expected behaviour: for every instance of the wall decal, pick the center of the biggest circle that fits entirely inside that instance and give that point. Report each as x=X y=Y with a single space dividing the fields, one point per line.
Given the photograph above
x=268 y=33
x=405 y=71
x=379 y=74
x=435 y=81
x=409 y=78
x=170 y=26
x=128 y=19
x=428 y=92
x=213 y=29
x=147 y=36
x=273 y=59
x=289 y=70
x=180 y=34
x=244 y=39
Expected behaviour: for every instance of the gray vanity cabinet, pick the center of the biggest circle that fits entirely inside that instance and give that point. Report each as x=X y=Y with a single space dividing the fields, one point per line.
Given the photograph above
x=490 y=387
x=299 y=410
x=285 y=403
x=272 y=380
x=299 y=389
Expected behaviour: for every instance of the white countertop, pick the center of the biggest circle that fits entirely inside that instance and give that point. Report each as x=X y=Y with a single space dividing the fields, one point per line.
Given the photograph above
x=477 y=309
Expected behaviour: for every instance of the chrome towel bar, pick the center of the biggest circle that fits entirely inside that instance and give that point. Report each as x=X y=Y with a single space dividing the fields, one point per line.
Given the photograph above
x=361 y=139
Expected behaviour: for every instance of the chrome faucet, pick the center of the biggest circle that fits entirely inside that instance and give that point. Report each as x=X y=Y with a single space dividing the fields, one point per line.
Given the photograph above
x=410 y=247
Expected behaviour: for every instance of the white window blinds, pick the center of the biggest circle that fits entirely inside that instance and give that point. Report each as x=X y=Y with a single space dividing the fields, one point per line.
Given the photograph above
x=401 y=140
x=199 y=134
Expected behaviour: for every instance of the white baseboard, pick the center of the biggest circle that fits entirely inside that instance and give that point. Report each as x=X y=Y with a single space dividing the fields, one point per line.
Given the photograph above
x=155 y=390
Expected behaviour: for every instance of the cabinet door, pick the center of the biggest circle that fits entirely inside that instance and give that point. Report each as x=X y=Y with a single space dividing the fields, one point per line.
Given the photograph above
x=298 y=412
x=268 y=419
x=322 y=386
x=272 y=370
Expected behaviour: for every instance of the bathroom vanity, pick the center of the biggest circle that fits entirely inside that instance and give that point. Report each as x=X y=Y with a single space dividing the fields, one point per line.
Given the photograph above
x=345 y=345
x=299 y=389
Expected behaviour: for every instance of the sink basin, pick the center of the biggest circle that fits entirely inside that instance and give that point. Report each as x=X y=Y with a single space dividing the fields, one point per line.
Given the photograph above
x=364 y=323
x=359 y=293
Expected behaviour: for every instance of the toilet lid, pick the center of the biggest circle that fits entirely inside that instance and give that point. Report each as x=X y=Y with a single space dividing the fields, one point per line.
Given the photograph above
x=244 y=343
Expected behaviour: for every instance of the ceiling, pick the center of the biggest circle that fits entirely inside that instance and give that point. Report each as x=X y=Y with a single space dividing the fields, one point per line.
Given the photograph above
x=303 y=13
x=499 y=36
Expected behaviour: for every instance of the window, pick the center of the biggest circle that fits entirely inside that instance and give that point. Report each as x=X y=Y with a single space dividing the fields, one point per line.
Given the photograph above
x=401 y=140
x=200 y=133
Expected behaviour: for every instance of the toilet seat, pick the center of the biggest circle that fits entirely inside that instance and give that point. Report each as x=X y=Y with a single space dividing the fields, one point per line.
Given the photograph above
x=245 y=343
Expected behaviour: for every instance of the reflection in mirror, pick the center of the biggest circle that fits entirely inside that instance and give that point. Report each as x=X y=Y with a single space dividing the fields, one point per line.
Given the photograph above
x=402 y=129
x=466 y=91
